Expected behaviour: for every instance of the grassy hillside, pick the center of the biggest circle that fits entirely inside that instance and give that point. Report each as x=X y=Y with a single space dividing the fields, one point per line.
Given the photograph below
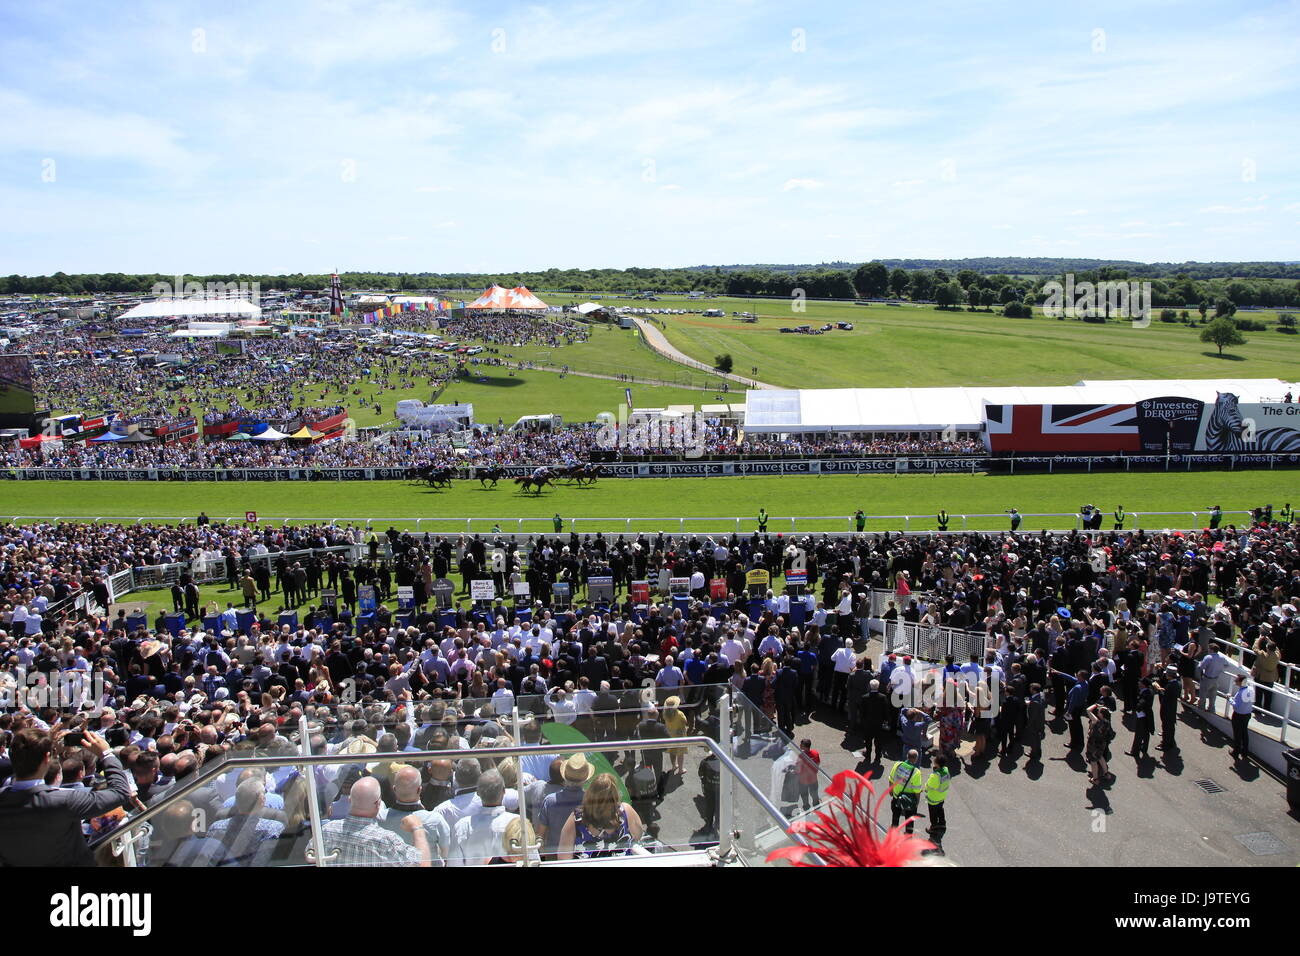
x=920 y=346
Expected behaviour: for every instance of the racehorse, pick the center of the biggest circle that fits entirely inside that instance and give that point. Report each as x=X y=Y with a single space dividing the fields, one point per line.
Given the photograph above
x=436 y=477
x=484 y=475
x=586 y=473
x=537 y=484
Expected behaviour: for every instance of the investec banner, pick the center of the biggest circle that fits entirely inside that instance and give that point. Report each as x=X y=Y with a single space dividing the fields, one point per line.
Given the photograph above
x=688 y=469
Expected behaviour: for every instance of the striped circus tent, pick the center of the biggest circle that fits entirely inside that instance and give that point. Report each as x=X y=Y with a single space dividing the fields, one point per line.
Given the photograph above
x=521 y=298
x=497 y=299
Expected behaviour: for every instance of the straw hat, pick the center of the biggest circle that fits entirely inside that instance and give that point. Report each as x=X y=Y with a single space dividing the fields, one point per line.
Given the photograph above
x=577 y=769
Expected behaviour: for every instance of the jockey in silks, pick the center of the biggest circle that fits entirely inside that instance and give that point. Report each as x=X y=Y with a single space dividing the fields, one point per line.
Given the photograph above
x=541 y=472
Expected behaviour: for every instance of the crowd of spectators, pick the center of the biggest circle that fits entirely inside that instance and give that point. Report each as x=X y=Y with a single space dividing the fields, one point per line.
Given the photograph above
x=1093 y=622
x=482 y=446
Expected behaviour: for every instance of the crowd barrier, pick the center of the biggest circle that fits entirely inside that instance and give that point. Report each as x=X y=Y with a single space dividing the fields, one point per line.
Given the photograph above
x=903 y=465
x=835 y=525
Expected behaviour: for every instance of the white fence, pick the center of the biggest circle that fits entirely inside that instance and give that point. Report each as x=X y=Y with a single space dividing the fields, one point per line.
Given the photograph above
x=1032 y=522
x=932 y=642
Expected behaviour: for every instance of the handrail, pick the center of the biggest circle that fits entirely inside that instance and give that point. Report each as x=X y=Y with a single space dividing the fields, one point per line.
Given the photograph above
x=316 y=760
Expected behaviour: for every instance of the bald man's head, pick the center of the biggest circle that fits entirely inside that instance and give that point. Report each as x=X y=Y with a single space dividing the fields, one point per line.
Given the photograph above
x=365 y=797
x=441 y=770
x=406 y=784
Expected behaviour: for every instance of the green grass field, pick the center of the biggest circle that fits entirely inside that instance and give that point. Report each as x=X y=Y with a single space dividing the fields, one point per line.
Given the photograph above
x=648 y=504
x=920 y=346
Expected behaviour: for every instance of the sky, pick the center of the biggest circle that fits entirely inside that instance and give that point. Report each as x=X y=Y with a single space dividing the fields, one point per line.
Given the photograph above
x=199 y=138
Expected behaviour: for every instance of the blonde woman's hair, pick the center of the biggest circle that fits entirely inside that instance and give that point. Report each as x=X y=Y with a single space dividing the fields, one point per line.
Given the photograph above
x=519 y=834
x=601 y=803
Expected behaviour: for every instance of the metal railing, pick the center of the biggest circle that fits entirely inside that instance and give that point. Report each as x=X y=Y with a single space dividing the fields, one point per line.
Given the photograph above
x=1289 y=674
x=829 y=524
x=1288 y=717
x=932 y=642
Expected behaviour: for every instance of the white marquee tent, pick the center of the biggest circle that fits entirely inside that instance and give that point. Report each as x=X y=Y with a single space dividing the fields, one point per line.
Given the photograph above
x=812 y=410
x=192 y=309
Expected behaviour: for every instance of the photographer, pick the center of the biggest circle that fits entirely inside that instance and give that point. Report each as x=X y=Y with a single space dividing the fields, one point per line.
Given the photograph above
x=41 y=824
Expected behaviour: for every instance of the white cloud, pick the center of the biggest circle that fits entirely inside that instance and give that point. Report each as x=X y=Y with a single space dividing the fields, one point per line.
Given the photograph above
x=801 y=184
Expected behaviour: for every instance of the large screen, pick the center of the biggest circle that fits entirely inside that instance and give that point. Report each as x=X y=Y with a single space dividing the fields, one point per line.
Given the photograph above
x=17 y=395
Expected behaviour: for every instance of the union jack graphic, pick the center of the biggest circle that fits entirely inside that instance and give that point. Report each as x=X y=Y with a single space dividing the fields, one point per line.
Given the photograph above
x=1053 y=428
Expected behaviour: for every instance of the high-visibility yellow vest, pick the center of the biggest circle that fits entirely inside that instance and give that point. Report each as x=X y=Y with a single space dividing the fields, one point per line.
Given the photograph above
x=942 y=518
x=909 y=781
x=1119 y=516
x=936 y=786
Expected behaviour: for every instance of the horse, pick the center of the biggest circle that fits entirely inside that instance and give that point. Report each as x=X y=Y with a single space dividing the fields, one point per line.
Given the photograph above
x=587 y=473
x=537 y=484
x=436 y=477
x=484 y=475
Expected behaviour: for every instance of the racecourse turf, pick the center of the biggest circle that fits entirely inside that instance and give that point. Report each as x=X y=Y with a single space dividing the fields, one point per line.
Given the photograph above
x=921 y=346
x=670 y=504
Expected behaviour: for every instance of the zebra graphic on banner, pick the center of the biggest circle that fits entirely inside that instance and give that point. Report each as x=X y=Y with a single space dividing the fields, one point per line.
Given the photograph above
x=1228 y=431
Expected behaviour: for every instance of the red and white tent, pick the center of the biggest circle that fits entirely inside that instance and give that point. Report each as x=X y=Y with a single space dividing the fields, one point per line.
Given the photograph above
x=497 y=299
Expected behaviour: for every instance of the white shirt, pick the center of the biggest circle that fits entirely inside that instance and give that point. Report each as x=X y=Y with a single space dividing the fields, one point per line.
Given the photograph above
x=503 y=700
x=732 y=650
x=564 y=711
x=845 y=658
x=477 y=839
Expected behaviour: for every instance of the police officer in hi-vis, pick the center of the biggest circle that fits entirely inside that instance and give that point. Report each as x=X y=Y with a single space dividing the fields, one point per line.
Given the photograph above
x=942 y=519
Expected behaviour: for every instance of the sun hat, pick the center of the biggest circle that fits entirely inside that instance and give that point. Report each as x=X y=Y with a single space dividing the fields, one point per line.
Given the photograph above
x=577 y=769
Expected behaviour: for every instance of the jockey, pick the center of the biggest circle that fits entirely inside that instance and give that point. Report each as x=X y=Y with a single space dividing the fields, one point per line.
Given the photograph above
x=540 y=472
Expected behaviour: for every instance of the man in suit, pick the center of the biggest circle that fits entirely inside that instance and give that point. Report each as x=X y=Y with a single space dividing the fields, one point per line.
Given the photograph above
x=40 y=825
x=652 y=728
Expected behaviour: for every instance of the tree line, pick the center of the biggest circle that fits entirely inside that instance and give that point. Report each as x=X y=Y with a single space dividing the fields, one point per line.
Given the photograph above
x=948 y=288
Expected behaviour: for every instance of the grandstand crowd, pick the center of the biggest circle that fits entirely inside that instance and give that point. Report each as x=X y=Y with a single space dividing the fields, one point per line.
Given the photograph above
x=1090 y=623
x=483 y=446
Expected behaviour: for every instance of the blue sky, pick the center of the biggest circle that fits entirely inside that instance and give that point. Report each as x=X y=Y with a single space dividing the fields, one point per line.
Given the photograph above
x=403 y=136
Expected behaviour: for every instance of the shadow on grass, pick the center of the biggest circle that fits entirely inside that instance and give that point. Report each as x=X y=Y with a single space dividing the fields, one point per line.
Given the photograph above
x=1227 y=356
x=487 y=380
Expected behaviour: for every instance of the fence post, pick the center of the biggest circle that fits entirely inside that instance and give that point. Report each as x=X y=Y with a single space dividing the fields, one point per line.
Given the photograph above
x=1286 y=716
x=725 y=808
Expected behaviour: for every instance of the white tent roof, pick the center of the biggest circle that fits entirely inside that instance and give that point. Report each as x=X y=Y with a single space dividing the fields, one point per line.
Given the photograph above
x=270 y=435
x=587 y=307
x=192 y=308
x=198 y=334
x=934 y=409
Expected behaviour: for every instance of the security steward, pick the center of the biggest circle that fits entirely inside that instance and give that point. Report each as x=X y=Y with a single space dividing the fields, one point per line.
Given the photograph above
x=905 y=785
x=1119 y=517
x=936 y=792
x=942 y=518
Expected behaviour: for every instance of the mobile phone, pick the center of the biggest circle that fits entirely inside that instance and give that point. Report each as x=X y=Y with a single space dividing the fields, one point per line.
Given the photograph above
x=74 y=738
